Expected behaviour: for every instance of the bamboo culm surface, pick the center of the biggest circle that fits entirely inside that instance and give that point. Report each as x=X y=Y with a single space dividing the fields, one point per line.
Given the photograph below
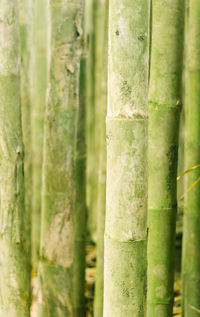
x=15 y=269
x=25 y=19
x=126 y=189
x=191 y=236
x=80 y=200
x=164 y=113
x=58 y=190
x=101 y=61
x=38 y=96
x=92 y=157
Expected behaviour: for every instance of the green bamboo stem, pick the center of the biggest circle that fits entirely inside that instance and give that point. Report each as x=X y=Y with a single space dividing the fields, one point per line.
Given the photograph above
x=39 y=82
x=126 y=205
x=92 y=157
x=80 y=202
x=191 y=237
x=25 y=15
x=58 y=192
x=101 y=51
x=14 y=277
x=164 y=114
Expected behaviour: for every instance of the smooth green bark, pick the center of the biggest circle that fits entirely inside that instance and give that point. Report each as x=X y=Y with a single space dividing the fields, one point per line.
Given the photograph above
x=191 y=233
x=164 y=113
x=101 y=58
x=58 y=193
x=14 y=278
x=126 y=202
x=38 y=95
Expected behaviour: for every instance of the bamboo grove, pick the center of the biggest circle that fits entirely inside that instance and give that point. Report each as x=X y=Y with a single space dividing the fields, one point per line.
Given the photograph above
x=99 y=158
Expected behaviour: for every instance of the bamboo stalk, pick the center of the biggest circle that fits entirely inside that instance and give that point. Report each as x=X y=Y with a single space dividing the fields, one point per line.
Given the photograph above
x=126 y=202
x=101 y=58
x=164 y=115
x=80 y=202
x=58 y=193
x=25 y=15
x=191 y=240
x=91 y=120
x=14 y=262
x=38 y=95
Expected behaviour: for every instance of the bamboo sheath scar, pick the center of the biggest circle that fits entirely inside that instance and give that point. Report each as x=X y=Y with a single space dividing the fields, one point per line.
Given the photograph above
x=126 y=207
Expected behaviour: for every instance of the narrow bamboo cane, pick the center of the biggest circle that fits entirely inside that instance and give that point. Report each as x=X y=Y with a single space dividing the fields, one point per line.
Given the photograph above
x=38 y=95
x=164 y=114
x=25 y=18
x=101 y=58
x=191 y=237
x=80 y=177
x=92 y=157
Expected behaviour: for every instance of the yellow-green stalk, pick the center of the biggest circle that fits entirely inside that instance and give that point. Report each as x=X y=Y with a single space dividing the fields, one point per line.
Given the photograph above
x=191 y=236
x=14 y=261
x=57 y=251
x=38 y=95
x=164 y=113
x=101 y=59
x=80 y=201
x=25 y=18
x=92 y=156
x=126 y=201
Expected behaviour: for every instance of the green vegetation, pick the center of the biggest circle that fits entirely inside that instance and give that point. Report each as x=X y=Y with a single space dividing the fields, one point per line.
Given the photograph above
x=91 y=118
